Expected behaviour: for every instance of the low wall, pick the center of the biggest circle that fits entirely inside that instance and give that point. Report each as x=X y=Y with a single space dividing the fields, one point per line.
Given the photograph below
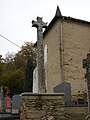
x=76 y=113
x=42 y=106
x=9 y=116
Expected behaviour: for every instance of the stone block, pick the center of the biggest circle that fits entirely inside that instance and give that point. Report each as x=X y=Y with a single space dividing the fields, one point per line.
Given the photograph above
x=42 y=106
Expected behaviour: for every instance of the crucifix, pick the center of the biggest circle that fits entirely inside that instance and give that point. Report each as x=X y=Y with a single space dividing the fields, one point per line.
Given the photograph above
x=39 y=24
x=86 y=65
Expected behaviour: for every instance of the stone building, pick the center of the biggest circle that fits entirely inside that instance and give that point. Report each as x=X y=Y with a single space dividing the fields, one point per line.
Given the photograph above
x=67 y=41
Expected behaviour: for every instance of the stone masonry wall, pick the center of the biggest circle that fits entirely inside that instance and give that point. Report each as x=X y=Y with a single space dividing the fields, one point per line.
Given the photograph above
x=76 y=38
x=42 y=106
x=53 y=57
x=76 y=113
x=76 y=44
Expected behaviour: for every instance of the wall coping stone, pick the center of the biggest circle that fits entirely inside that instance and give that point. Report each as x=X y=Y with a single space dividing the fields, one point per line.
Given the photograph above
x=41 y=94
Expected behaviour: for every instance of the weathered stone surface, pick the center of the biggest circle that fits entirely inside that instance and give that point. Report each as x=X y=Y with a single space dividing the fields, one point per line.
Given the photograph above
x=75 y=117
x=39 y=24
x=42 y=106
x=64 y=88
x=76 y=43
x=76 y=113
x=86 y=65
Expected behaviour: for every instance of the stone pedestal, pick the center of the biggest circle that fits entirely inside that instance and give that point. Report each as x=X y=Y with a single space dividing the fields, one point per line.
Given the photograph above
x=42 y=106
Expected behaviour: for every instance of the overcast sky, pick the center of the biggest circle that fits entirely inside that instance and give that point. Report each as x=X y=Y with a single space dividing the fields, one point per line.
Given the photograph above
x=16 y=17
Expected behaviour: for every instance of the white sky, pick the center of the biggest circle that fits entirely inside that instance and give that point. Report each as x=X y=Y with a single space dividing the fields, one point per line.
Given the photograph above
x=16 y=17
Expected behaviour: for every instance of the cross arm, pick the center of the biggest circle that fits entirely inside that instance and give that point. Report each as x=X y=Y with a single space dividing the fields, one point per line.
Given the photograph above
x=44 y=25
x=39 y=23
x=35 y=24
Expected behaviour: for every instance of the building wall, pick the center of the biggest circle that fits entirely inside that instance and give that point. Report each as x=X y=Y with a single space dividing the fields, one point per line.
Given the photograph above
x=53 y=57
x=76 y=39
x=68 y=43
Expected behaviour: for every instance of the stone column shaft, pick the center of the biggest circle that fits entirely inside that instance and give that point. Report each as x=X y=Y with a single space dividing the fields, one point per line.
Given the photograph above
x=39 y=24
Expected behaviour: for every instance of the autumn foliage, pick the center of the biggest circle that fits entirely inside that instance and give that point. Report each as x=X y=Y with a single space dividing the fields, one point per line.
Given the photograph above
x=13 y=68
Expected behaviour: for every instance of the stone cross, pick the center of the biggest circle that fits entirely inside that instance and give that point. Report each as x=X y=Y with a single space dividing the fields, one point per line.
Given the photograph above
x=39 y=24
x=86 y=65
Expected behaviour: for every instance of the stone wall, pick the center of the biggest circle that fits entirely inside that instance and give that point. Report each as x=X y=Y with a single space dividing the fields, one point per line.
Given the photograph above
x=76 y=43
x=49 y=107
x=42 y=107
x=76 y=37
x=76 y=113
x=52 y=41
x=75 y=116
